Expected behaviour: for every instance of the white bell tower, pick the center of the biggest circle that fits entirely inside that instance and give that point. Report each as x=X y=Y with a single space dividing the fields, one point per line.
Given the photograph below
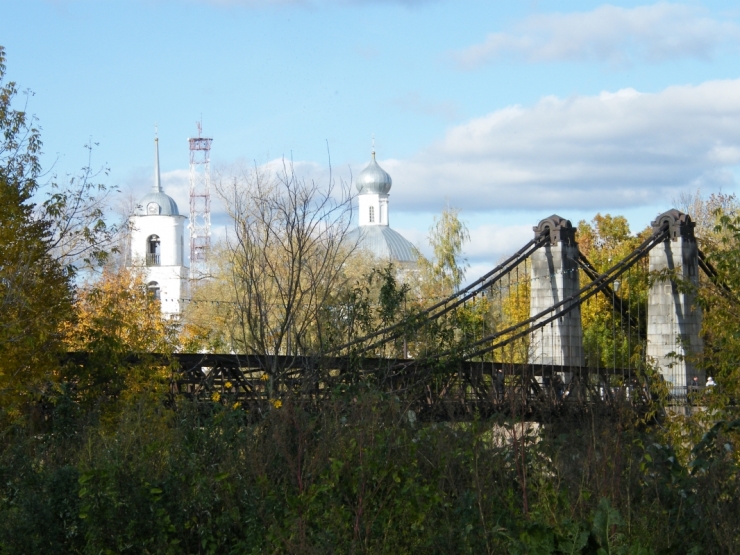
x=373 y=185
x=157 y=245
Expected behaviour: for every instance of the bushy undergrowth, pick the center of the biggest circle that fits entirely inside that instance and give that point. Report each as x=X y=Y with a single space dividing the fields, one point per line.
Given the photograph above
x=362 y=476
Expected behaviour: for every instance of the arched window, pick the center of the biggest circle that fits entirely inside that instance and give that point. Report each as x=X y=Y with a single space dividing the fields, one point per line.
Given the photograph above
x=153 y=289
x=152 y=250
x=371 y=215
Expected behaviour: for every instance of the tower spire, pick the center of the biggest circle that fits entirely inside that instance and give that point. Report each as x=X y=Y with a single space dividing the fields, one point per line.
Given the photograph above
x=157 y=187
x=373 y=146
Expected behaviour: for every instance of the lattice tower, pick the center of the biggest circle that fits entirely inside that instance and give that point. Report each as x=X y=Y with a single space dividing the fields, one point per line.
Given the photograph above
x=200 y=205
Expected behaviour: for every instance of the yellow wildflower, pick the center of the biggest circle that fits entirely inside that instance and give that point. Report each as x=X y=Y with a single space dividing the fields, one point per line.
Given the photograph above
x=277 y=403
x=216 y=397
x=264 y=377
x=228 y=385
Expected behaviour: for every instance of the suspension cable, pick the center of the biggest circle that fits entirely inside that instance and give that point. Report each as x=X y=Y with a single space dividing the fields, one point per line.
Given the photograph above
x=616 y=301
x=458 y=298
x=570 y=303
x=713 y=275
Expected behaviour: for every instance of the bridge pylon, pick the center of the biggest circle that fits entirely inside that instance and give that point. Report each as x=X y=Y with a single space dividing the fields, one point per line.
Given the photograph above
x=674 y=319
x=555 y=277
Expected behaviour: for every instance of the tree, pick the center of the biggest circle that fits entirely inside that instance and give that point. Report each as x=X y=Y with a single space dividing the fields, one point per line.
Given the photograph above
x=35 y=288
x=510 y=305
x=720 y=302
x=444 y=274
x=706 y=212
x=209 y=320
x=606 y=339
x=80 y=236
x=440 y=278
x=285 y=259
x=115 y=318
x=42 y=247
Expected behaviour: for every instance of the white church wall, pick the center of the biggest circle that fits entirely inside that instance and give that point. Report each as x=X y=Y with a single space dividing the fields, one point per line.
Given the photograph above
x=170 y=231
x=170 y=274
x=379 y=205
x=172 y=284
x=384 y=214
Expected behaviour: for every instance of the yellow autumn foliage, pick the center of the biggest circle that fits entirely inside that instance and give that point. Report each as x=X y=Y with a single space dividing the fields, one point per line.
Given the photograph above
x=510 y=305
x=117 y=325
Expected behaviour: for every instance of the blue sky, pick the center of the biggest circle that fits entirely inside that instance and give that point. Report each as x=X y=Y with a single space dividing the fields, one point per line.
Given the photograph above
x=511 y=111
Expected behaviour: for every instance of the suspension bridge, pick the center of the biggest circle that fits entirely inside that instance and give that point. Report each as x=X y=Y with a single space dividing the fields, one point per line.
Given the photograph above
x=531 y=355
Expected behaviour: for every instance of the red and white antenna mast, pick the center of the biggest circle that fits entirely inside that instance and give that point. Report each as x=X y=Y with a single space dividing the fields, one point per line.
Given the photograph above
x=200 y=205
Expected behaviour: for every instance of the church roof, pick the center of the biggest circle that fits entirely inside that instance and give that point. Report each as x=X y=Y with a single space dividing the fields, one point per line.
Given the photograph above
x=384 y=243
x=156 y=202
x=374 y=179
x=165 y=205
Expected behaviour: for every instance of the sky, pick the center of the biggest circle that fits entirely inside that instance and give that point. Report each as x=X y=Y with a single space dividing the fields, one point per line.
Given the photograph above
x=509 y=111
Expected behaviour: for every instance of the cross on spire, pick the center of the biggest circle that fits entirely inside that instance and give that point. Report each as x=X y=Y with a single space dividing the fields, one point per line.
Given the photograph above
x=157 y=187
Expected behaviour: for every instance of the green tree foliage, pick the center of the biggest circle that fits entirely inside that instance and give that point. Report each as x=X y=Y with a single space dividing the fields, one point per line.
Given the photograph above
x=606 y=336
x=361 y=476
x=42 y=248
x=439 y=278
x=720 y=302
x=35 y=289
x=444 y=274
x=706 y=212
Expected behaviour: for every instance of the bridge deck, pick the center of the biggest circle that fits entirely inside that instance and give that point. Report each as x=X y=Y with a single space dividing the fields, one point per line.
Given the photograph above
x=447 y=390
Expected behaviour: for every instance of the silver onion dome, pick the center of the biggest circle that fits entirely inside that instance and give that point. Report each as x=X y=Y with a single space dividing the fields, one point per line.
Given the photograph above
x=374 y=179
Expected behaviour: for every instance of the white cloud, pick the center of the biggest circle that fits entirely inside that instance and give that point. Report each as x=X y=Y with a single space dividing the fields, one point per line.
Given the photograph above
x=492 y=241
x=609 y=34
x=622 y=149
x=614 y=151
x=176 y=183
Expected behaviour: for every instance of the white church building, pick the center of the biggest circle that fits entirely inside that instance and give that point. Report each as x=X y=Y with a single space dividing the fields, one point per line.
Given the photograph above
x=158 y=245
x=374 y=234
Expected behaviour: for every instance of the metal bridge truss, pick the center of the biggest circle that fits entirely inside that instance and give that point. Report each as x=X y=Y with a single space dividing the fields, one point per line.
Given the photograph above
x=459 y=383
x=457 y=390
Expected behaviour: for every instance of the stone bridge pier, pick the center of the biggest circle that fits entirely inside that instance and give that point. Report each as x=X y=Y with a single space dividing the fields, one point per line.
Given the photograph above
x=554 y=277
x=673 y=319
